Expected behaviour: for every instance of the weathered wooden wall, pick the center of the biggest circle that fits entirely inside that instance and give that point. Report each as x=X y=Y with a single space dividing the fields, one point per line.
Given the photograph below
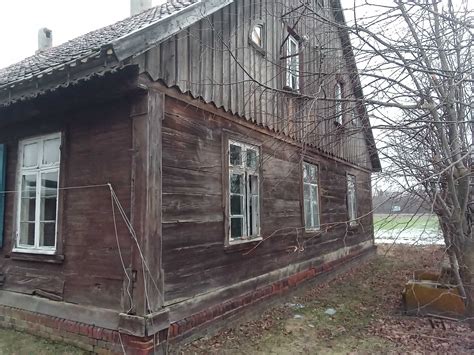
x=96 y=150
x=195 y=259
x=214 y=60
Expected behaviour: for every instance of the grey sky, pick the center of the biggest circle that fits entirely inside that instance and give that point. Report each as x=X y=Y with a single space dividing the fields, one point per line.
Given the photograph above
x=21 y=19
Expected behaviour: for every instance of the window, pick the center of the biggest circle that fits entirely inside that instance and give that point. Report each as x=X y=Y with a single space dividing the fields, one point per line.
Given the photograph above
x=311 y=196
x=38 y=180
x=351 y=199
x=338 y=102
x=293 y=63
x=257 y=35
x=244 y=192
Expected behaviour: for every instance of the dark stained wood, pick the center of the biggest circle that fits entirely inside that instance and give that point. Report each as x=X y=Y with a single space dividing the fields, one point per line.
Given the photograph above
x=194 y=257
x=146 y=201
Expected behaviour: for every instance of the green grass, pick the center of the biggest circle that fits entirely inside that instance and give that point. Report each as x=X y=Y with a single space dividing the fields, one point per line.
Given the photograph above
x=384 y=222
x=13 y=342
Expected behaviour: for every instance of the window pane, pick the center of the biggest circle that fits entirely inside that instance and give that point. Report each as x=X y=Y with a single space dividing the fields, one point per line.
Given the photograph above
x=28 y=186
x=252 y=158
x=30 y=155
x=237 y=184
x=253 y=185
x=257 y=35
x=236 y=205
x=307 y=213
x=51 y=151
x=47 y=234
x=254 y=215
x=48 y=209
x=235 y=155
x=236 y=227
x=49 y=184
x=310 y=173
x=28 y=208
x=27 y=233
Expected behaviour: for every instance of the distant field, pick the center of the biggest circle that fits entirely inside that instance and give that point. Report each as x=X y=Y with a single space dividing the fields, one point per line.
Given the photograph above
x=407 y=229
x=405 y=221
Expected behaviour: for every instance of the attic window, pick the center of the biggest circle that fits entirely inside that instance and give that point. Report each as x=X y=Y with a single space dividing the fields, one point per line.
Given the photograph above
x=293 y=63
x=257 y=35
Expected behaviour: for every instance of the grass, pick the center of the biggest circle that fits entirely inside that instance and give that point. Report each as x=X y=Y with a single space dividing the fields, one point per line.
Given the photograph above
x=13 y=342
x=368 y=317
x=384 y=222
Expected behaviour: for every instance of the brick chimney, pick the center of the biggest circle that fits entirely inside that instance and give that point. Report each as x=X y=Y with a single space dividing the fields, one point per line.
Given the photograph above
x=138 y=6
x=45 y=39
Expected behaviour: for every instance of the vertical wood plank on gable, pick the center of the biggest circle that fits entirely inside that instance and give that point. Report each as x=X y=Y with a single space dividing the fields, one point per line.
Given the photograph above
x=195 y=55
x=218 y=57
x=206 y=59
x=182 y=55
x=240 y=57
x=168 y=62
x=226 y=58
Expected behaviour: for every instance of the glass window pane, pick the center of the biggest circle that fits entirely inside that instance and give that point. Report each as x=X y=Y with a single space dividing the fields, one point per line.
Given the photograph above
x=315 y=214
x=236 y=205
x=235 y=155
x=48 y=209
x=236 y=227
x=237 y=183
x=252 y=158
x=257 y=35
x=30 y=155
x=51 y=151
x=28 y=186
x=307 y=213
x=253 y=185
x=27 y=233
x=254 y=215
x=49 y=184
x=28 y=208
x=47 y=234
x=307 y=192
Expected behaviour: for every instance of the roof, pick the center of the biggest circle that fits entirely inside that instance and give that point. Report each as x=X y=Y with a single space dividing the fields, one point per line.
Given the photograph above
x=88 y=45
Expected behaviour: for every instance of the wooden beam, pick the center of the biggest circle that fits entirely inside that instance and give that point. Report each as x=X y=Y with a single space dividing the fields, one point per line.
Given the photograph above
x=147 y=114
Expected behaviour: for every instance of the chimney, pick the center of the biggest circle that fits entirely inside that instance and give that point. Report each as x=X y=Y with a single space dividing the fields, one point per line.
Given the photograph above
x=45 y=39
x=138 y=6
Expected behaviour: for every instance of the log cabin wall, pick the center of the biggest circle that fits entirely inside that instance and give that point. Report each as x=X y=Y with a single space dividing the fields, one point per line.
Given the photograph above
x=195 y=259
x=214 y=60
x=96 y=149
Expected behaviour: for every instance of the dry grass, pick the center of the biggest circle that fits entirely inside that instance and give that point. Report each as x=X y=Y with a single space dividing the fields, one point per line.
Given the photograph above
x=367 y=320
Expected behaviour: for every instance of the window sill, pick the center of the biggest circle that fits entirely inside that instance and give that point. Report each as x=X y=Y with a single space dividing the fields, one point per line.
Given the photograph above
x=37 y=257
x=242 y=245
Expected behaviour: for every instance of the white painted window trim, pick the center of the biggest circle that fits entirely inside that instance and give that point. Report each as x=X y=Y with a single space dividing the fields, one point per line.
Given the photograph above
x=290 y=74
x=352 y=199
x=37 y=170
x=246 y=171
x=311 y=200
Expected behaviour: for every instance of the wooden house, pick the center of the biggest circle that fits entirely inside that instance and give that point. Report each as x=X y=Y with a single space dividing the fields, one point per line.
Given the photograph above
x=161 y=173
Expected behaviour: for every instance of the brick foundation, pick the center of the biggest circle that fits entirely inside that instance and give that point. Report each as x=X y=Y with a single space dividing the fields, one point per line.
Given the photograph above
x=106 y=341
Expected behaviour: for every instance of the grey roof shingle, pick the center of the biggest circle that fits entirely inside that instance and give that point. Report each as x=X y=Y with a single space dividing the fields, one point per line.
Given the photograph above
x=87 y=45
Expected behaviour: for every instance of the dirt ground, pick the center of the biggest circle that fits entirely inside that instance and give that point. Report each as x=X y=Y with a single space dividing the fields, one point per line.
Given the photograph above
x=368 y=317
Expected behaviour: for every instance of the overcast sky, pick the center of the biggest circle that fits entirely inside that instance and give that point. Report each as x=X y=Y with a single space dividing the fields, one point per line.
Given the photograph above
x=20 y=21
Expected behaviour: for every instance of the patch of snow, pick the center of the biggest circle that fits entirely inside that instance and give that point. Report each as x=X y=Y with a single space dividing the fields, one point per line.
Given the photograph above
x=409 y=236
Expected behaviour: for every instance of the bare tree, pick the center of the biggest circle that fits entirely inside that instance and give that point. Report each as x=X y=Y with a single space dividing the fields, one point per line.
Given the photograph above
x=415 y=67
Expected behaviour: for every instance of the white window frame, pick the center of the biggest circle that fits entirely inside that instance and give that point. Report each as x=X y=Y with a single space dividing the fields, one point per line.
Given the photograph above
x=313 y=185
x=247 y=195
x=338 y=89
x=36 y=170
x=352 y=199
x=293 y=64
